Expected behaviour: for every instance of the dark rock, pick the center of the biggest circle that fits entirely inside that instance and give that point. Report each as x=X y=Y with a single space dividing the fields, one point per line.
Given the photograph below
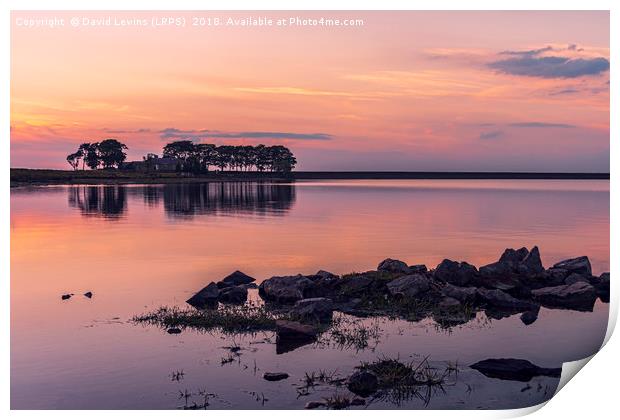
x=556 y=276
x=206 y=296
x=236 y=279
x=65 y=297
x=285 y=289
x=449 y=304
x=313 y=310
x=529 y=317
x=235 y=294
x=250 y=286
x=575 y=278
x=602 y=287
x=174 y=331
x=275 y=376
x=291 y=335
x=579 y=265
x=513 y=369
x=88 y=294
x=325 y=274
x=514 y=264
x=358 y=402
x=579 y=296
x=462 y=294
x=531 y=264
x=363 y=383
x=356 y=284
x=394 y=266
x=509 y=284
x=310 y=405
x=514 y=257
x=418 y=269
x=458 y=274
x=502 y=300
x=409 y=286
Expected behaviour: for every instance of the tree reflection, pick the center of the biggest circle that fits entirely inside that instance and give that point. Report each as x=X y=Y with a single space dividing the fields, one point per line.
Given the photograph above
x=108 y=201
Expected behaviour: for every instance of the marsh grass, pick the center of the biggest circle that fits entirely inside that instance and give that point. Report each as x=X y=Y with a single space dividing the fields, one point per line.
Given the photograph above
x=228 y=319
x=346 y=333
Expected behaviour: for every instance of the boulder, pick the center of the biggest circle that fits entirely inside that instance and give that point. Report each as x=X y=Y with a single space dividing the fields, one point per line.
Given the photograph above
x=285 y=289
x=532 y=263
x=514 y=263
x=462 y=294
x=358 y=402
x=88 y=294
x=363 y=383
x=513 y=369
x=513 y=257
x=498 y=299
x=393 y=266
x=449 y=304
x=456 y=273
x=354 y=285
x=409 y=286
x=275 y=376
x=206 y=296
x=602 y=287
x=314 y=310
x=575 y=278
x=236 y=279
x=325 y=274
x=235 y=294
x=311 y=405
x=579 y=265
x=291 y=335
x=67 y=296
x=579 y=296
x=529 y=317
x=418 y=268
x=509 y=284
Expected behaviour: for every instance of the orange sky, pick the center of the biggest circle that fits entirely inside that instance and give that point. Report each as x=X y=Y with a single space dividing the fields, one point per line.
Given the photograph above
x=405 y=91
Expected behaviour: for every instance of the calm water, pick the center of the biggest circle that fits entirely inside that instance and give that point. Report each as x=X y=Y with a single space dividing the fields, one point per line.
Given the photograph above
x=139 y=247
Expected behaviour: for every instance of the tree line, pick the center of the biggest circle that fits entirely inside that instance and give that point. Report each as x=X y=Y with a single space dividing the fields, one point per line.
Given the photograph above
x=192 y=157
x=199 y=157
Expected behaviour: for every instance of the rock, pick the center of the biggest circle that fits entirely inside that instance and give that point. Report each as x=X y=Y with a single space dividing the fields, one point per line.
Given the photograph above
x=314 y=310
x=275 y=376
x=363 y=383
x=65 y=297
x=579 y=296
x=285 y=289
x=529 y=317
x=358 y=401
x=513 y=369
x=514 y=264
x=579 y=265
x=531 y=264
x=501 y=300
x=88 y=294
x=174 y=331
x=236 y=279
x=356 y=284
x=513 y=257
x=418 y=268
x=458 y=274
x=602 y=287
x=206 y=296
x=462 y=294
x=325 y=274
x=409 y=286
x=556 y=276
x=394 y=266
x=235 y=294
x=507 y=283
x=310 y=405
x=575 y=278
x=291 y=335
x=449 y=304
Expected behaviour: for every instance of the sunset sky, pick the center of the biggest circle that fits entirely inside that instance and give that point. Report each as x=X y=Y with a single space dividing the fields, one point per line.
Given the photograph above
x=471 y=91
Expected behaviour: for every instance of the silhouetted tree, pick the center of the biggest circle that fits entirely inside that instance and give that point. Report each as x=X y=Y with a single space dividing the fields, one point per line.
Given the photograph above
x=74 y=160
x=111 y=153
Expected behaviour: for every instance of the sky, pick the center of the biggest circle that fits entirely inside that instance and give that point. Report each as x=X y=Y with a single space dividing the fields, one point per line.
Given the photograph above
x=405 y=91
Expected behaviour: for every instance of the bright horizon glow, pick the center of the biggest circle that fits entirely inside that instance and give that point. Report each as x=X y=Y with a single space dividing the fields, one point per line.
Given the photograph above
x=408 y=91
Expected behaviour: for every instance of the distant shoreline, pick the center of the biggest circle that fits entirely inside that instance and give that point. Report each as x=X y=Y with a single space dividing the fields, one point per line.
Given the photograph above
x=22 y=176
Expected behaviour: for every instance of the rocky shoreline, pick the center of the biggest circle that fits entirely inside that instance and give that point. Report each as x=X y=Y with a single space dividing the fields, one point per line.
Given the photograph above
x=451 y=293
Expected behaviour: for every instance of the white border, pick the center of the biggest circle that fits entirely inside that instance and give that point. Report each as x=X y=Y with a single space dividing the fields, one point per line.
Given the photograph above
x=593 y=395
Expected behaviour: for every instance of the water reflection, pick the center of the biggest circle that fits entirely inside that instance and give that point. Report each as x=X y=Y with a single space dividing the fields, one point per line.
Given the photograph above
x=186 y=200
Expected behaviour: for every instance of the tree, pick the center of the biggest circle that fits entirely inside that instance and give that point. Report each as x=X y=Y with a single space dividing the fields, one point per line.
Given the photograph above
x=91 y=156
x=74 y=160
x=282 y=159
x=111 y=153
x=205 y=155
x=223 y=156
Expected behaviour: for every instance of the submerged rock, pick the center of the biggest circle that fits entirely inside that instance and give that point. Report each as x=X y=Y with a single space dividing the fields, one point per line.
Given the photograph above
x=409 y=286
x=314 y=310
x=579 y=265
x=456 y=273
x=513 y=369
x=285 y=289
x=174 y=331
x=206 y=296
x=363 y=383
x=275 y=376
x=529 y=317
x=579 y=296
x=291 y=335
x=394 y=266
x=501 y=300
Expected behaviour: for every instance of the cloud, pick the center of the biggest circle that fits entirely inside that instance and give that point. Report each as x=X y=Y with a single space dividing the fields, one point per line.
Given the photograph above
x=490 y=135
x=138 y=131
x=567 y=91
x=535 y=63
x=536 y=124
x=197 y=135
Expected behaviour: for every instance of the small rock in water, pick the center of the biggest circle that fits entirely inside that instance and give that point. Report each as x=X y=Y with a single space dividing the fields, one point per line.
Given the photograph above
x=529 y=317
x=310 y=405
x=88 y=294
x=275 y=376
x=174 y=331
x=514 y=369
x=67 y=296
x=205 y=297
x=363 y=383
